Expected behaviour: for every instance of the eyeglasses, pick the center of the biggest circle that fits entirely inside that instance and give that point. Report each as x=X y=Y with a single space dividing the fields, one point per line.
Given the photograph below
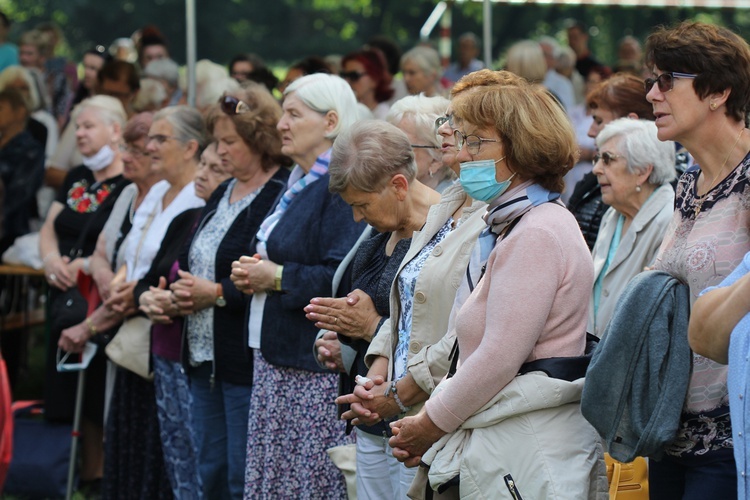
x=351 y=75
x=424 y=146
x=233 y=106
x=240 y=74
x=159 y=138
x=441 y=121
x=606 y=157
x=135 y=152
x=665 y=81
x=472 y=142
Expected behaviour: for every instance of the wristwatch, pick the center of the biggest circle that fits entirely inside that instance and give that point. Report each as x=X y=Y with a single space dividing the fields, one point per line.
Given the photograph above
x=220 y=302
x=277 y=278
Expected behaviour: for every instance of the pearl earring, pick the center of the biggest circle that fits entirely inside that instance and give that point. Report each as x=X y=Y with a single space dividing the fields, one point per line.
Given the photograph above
x=638 y=188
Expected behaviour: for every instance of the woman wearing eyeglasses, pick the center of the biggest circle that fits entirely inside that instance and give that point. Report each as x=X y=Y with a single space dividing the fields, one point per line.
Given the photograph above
x=700 y=92
x=366 y=72
x=634 y=170
x=416 y=116
x=620 y=96
x=295 y=253
x=523 y=306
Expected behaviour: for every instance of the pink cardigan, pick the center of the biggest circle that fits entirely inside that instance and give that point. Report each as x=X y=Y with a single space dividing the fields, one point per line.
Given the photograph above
x=537 y=287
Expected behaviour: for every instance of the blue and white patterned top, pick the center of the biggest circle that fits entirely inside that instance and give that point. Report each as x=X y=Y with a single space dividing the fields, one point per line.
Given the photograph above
x=202 y=259
x=407 y=281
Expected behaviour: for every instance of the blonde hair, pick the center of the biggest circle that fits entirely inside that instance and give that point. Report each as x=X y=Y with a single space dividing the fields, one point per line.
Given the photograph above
x=526 y=59
x=538 y=139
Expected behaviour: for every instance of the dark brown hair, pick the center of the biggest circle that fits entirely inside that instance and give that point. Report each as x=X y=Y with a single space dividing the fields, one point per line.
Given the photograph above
x=719 y=57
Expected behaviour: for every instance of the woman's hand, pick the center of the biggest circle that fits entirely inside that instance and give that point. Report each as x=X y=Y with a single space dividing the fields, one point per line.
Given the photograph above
x=368 y=403
x=412 y=437
x=192 y=293
x=57 y=272
x=329 y=352
x=158 y=303
x=74 y=339
x=122 y=300
x=354 y=315
x=241 y=273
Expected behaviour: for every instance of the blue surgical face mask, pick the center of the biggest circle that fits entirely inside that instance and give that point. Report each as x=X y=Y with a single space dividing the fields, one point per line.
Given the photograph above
x=478 y=180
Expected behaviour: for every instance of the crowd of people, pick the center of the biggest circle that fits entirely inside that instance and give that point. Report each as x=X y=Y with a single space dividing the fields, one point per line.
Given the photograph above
x=426 y=248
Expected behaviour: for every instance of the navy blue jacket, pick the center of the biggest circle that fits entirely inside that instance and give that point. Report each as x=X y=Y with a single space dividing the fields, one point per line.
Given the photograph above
x=232 y=360
x=310 y=240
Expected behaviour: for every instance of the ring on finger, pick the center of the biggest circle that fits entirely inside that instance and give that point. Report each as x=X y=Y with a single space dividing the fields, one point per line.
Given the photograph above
x=335 y=320
x=52 y=277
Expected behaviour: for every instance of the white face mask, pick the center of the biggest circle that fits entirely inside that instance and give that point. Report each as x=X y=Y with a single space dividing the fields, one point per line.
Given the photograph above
x=101 y=160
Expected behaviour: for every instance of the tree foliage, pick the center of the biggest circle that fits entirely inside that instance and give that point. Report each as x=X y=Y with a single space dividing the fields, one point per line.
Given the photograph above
x=283 y=31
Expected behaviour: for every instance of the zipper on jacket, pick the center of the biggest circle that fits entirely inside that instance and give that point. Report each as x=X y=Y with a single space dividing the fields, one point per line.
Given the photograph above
x=511 y=484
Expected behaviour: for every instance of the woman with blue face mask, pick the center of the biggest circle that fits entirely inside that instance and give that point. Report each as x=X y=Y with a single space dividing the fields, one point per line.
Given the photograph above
x=498 y=414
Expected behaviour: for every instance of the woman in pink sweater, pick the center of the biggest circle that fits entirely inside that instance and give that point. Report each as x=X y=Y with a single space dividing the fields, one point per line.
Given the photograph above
x=515 y=144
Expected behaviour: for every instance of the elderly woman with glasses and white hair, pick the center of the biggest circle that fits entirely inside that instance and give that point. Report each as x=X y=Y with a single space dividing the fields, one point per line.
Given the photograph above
x=634 y=169
x=416 y=115
x=295 y=254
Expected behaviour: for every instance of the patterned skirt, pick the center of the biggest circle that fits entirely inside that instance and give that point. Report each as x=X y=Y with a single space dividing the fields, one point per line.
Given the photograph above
x=292 y=423
x=133 y=463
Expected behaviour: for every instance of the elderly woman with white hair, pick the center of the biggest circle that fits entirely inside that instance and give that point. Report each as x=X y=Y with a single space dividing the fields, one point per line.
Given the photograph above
x=634 y=169
x=416 y=116
x=68 y=236
x=422 y=71
x=296 y=251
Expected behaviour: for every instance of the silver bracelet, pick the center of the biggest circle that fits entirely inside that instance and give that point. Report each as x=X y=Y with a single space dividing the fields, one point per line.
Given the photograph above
x=392 y=389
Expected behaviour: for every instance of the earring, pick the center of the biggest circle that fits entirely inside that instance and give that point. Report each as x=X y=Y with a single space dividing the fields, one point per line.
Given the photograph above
x=637 y=188
x=713 y=106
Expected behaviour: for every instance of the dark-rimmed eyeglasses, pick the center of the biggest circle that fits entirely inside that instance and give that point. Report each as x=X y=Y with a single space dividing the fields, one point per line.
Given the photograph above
x=665 y=81
x=472 y=142
x=441 y=121
x=352 y=76
x=233 y=106
x=606 y=157
x=424 y=146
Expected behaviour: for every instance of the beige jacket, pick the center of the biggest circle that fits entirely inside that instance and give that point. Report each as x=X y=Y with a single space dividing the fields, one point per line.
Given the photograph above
x=532 y=432
x=638 y=247
x=434 y=292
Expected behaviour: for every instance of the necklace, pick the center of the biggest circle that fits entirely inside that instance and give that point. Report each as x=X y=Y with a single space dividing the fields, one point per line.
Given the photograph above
x=700 y=199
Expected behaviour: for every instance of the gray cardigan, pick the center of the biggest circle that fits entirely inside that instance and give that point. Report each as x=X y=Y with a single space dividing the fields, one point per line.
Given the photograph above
x=638 y=377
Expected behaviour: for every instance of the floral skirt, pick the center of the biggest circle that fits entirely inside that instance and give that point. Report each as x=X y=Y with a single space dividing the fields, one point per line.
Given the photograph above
x=292 y=422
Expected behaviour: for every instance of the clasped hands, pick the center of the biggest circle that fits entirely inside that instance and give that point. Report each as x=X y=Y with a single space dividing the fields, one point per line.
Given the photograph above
x=253 y=273
x=412 y=436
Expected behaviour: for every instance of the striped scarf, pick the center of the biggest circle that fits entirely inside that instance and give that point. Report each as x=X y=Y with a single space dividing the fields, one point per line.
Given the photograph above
x=318 y=170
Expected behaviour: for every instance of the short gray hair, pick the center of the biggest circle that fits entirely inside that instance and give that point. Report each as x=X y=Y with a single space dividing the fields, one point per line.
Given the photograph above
x=367 y=155
x=323 y=93
x=163 y=69
x=642 y=147
x=422 y=111
x=426 y=58
x=187 y=125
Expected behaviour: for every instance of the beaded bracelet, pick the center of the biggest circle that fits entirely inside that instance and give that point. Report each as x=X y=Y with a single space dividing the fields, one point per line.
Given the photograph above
x=393 y=390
